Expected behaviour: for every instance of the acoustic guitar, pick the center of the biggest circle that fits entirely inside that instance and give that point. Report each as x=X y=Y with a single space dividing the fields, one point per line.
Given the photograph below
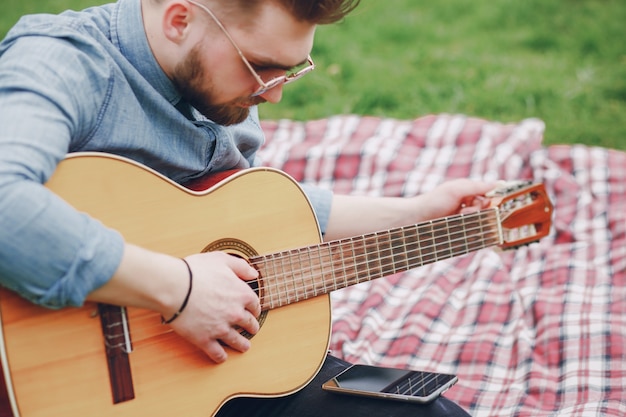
x=102 y=360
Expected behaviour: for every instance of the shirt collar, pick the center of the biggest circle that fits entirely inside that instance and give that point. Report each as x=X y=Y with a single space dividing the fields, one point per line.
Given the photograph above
x=133 y=43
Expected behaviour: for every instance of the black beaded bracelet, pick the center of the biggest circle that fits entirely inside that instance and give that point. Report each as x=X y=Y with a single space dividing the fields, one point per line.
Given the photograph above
x=184 y=304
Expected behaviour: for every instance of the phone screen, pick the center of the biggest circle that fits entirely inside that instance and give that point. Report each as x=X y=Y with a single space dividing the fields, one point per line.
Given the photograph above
x=391 y=383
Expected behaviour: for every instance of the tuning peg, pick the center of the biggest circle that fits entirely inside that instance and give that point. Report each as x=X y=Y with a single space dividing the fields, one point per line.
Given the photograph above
x=506 y=187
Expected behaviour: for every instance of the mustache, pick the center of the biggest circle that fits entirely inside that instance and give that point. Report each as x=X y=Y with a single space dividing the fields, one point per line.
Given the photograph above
x=251 y=101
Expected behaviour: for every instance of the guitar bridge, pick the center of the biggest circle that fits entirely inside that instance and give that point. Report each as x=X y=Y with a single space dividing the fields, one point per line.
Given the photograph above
x=117 y=345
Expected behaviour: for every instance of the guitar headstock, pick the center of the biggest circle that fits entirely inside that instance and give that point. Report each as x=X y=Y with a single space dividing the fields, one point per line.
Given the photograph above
x=525 y=212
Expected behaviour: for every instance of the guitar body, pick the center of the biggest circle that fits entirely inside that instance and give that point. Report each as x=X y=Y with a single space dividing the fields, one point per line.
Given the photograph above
x=54 y=361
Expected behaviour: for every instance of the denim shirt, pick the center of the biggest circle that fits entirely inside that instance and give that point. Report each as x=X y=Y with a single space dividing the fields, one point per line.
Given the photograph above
x=87 y=81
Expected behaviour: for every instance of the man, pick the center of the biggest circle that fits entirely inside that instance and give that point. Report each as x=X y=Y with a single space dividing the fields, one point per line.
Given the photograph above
x=172 y=84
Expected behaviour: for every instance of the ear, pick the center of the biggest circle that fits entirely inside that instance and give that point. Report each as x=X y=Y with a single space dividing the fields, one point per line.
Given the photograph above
x=176 y=20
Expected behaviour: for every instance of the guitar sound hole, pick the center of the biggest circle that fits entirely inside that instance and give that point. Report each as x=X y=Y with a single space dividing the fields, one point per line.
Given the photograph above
x=240 y=249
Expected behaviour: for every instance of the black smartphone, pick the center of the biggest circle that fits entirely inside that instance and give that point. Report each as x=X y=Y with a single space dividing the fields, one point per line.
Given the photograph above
x=390 y=383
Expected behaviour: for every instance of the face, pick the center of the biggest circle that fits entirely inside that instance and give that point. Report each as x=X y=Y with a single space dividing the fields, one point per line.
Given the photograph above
x=195 y=85
x=214 y=79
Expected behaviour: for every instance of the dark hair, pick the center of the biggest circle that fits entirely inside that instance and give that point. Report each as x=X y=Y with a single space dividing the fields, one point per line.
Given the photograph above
x=319 y=11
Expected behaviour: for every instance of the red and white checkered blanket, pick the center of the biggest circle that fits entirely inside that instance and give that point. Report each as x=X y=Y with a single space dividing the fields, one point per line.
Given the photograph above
x=539 y=331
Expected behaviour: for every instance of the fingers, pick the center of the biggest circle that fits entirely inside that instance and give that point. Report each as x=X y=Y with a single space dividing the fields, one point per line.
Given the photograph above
x=254 y=307
x=246 y=272
x=222 y=305
x=481 y=188
x=469 y=189
x=242 y=268
x=473 y=204
x=462 y=196
x=216 y=348
x=232 y=338
x=250 y=323
x=215 y=351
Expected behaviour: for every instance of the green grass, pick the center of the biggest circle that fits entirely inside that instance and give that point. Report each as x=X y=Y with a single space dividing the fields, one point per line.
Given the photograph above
x=563 y=61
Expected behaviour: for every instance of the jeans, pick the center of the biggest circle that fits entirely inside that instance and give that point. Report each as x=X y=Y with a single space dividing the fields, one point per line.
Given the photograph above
x=312 y=401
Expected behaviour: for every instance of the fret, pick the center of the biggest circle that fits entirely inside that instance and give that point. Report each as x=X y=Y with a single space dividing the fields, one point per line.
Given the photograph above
x=418 y=243
x=297 y=271
x=439 y=241
x=305 y=261
x=462 y=239
x=268 y=289
x=282 y=283
x=305 y=277
x=338 y=262
x=270 y=282
x=351 y=270
x=447 y=248
x=293 y=288
x=329 y=272
x=434 y=241
x=375 y=251
x=260 y=266
x=355 y=273
x=318 y=272
x=400 y=256
x=276 y=281
x=473 y=224
x=338 y=265
x=425 y=235
x=361 y=260
x=374 y=264
x=385 y=253
x=355 y=263
x=481 y=227
x=458 y=237
x=272 y=288
x=283 y=286
x=303 y=273
x=413 y=248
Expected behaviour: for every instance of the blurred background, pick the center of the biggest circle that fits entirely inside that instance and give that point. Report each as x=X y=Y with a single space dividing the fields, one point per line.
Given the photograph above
x=563 y=61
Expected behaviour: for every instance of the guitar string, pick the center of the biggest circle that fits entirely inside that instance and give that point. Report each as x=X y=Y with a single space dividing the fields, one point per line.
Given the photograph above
x=291 y=289
x=431 y=227
x=329 y=258
x=370 y=247
x=381 y=264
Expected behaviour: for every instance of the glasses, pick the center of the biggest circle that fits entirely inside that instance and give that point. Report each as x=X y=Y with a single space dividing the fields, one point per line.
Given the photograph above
x=264 y=86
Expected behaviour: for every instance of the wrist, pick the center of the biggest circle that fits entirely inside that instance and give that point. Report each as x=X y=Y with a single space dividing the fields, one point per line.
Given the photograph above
x=185 y=300
x=146 y=279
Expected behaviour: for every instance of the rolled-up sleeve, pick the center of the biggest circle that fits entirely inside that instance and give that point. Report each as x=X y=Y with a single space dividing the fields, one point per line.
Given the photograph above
x=49 y=253
x=321 y=200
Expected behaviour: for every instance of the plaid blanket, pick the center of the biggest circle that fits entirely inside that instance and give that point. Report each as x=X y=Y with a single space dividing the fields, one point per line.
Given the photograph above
x=538 y=331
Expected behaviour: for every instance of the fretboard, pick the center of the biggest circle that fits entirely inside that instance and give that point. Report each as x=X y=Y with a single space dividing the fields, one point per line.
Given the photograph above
x=298 y=274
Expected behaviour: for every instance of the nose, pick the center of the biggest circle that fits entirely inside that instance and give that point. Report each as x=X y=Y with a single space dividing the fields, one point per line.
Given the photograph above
x=273 y=95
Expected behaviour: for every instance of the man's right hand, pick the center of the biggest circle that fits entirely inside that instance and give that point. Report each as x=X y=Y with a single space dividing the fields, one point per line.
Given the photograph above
x=220 y=301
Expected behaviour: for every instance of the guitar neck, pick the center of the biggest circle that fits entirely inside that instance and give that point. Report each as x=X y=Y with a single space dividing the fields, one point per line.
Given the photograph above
x=298 y=274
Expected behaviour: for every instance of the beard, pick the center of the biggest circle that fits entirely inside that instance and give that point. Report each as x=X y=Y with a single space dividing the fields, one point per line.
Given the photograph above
x=190 y=79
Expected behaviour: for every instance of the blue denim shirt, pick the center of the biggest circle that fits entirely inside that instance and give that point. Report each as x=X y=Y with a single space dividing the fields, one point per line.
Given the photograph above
x=87 y=81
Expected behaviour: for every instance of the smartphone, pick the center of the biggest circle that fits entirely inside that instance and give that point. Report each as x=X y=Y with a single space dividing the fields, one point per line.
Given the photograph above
x=390 y=383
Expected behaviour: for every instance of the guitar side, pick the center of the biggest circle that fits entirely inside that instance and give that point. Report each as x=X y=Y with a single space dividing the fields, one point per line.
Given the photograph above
x=54 y=361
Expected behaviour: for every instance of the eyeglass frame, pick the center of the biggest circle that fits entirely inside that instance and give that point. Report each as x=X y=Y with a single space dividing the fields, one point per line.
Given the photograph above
x=264 y=86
